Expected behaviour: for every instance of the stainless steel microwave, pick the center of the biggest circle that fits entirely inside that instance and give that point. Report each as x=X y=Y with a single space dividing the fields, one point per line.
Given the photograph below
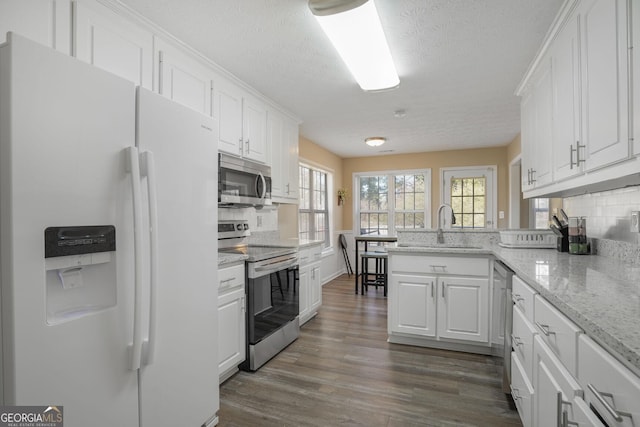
x=242 y=182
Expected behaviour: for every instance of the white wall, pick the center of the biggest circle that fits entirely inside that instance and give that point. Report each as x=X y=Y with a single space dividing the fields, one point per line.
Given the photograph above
x=608 y=213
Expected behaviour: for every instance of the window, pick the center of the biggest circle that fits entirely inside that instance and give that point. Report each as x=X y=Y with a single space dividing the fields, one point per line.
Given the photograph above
x=468 y=201
x=391 y=200
x=470 y=193
x=313 y=211
x=540 y=209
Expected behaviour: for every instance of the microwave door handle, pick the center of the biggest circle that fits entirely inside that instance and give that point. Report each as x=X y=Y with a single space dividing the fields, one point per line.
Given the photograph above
x=264 y=186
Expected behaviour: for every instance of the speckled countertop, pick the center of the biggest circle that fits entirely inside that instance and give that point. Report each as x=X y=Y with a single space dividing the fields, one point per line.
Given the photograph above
x=230 y=258
x=225 y=259
x=601 y=294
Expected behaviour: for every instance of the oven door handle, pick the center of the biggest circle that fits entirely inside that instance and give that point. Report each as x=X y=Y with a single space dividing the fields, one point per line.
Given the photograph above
x=277 y=266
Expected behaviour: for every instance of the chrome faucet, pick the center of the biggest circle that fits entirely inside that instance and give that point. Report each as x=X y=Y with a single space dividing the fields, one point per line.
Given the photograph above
x=453 y=221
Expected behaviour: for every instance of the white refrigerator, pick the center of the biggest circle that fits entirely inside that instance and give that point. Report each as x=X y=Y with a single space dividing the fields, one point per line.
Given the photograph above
x=108 y=227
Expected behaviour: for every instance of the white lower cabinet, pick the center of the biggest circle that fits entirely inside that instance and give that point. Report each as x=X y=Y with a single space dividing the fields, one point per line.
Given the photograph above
x=463 y=308
x=555 y=388
x=310 y=286
x=443 y=308
x=522 y=391
x=612 y=389
x=231 y=320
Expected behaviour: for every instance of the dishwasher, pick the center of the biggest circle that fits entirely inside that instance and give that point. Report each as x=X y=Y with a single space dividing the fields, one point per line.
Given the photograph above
x=502 y=286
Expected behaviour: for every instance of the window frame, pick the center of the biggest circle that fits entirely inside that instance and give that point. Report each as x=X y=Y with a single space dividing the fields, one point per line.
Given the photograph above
x=391 y=211
x=491 y=190
x=328 y=242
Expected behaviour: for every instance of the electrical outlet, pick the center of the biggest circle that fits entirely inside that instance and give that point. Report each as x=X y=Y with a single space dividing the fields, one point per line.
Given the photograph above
x=501 y=214
x=635 y=221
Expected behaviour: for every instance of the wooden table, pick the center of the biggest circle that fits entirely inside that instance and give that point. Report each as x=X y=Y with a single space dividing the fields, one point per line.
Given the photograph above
x=366 y=238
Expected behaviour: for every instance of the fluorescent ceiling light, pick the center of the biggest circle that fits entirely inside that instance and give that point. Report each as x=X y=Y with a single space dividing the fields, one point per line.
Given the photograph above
x=375 y=141
x=354 y=28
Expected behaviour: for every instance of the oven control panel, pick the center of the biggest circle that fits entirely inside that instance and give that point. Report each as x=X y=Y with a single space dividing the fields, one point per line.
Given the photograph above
x=228 y=229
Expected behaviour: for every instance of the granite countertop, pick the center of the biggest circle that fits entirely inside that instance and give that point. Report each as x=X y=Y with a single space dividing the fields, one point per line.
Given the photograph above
x=229 y=258
x=600 y=294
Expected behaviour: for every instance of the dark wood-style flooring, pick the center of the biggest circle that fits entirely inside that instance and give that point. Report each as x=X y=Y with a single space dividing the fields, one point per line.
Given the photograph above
x=342 y=371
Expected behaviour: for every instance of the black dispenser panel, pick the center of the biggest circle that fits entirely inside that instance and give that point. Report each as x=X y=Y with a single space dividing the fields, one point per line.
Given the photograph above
x=78 y=240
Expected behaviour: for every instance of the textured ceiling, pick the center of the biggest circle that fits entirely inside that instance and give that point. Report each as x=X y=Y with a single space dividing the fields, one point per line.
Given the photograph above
x=459 y=62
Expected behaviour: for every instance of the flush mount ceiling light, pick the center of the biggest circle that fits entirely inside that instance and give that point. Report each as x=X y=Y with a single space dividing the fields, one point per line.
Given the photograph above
x=354 y=28
x=375 y=141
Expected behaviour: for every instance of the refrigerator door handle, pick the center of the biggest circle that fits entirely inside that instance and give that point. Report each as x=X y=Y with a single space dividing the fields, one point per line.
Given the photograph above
x=149 y=170
x=133 y=167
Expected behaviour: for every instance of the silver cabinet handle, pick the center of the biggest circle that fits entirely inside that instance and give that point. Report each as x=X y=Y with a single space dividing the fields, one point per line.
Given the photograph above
x=571 y=151
x=517 y=341
x=443 y=268
x=432 y=291
x=442 y=290
x=533 y=174
x=617 y=415
x=227 y=280
x=517 y=298
x=248 y=146
x=240 y=146
x=562 y=415
x=546 y=330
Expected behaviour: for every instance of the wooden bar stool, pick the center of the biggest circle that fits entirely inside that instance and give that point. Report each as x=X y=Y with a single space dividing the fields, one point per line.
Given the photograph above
x=380 y=273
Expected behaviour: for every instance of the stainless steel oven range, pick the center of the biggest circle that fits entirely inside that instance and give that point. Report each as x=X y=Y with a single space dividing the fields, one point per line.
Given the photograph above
x=272 y=293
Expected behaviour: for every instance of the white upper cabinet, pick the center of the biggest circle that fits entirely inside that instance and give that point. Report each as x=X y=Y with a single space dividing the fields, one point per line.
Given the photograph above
x=565 y=81
x=184 y=79
x=635 y=78
x=254 y=129
x=537 y=128
x=104 y=39
x=604 y=88
x=242 y=122
x=47 y=22
x=587 y=52
x=228 y=109
x=282 y=144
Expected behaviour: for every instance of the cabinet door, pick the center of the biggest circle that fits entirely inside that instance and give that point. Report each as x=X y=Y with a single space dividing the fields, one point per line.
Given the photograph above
x=276 y=147
x=45 y=21
x=228 y=109
x=254 y=129
x=527 y=118
x=604 y=87
x=635 y=78
x=106 y=40
x=554 y=387
x=565 y=77
x=231 y=330
x=413 y=309
x=315 y=288
x=304 y=275
x=543 y=142
x=290 y=153
x=463 y=308
x=183 y=79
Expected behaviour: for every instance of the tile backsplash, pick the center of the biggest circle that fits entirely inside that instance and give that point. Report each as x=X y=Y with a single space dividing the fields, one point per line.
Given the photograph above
x=265 y=219
x=608 y=213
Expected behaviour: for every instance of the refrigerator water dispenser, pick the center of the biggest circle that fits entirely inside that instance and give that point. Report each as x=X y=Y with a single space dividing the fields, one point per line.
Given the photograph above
x=80 y=271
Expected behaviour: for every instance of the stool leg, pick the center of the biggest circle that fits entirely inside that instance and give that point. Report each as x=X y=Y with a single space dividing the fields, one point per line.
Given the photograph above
x=386 y=276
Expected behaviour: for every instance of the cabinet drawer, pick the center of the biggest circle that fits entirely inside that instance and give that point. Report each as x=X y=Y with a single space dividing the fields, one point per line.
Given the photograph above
x=315 y=252
x=521 y=391
x=617 y=385
x=523 y=295
x=466 y=266
x=522 y=340
x=230 y=278
x=558 y=332
x=583 y=415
